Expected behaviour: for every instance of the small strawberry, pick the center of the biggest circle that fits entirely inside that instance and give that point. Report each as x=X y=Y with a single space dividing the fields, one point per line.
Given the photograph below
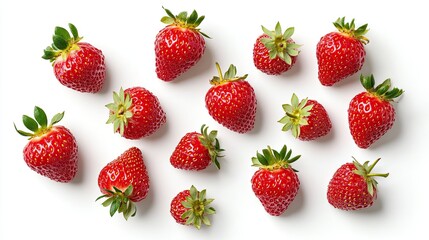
x=275 y=184
x=341 y=54
x=124 y=181
x=178 y=46
x=307 y=119
x=353 y=186
x=77 y=65
x=191 y=207
x=135 y=113
x=370 y=113
x=52 y=150
x=231 y=101
x=196 y=151
x=275 y=52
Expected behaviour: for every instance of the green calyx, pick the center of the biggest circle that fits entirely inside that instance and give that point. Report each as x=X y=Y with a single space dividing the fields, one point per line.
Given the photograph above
x=365 y=171
x=119 y=202
x=278 y=43
x=198 y=208
x=210 y=141
x=296 y=115
x=382 y=90
x=349 y=29
x=63 y=43
x=120 y=111
x=229 y=76
x=39 y=124
x=272 y=160
x=184 y=21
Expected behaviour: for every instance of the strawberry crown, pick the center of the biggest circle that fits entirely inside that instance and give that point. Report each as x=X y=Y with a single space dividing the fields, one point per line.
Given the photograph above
x=230 y=75
x=382 y=90
x=272 y=160
x=349 y=29
x=365 y=171
x=296 y=115
x=182 y=20
x=39 y=124
x=63 y=43
x=279 y=45
x=210 y=141
x=197 y=206
x=120 y=111
x=119 y=202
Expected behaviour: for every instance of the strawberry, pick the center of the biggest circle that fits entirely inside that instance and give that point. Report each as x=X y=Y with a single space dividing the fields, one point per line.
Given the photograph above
x=135 y=113
x=196 y=151
x=77 y=65
x=275 y=52
x=307 y=119
x=124 y=181
x=353 y=186
x=341 y=54
x=52 y=149
x=179 y=45
x=231 y=101
x=370 y=113
x=275 y=184
x=191 y=207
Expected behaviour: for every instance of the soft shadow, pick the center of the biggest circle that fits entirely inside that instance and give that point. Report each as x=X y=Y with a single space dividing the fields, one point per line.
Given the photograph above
x=162 y=131
x=295 y=206
x=144 y=206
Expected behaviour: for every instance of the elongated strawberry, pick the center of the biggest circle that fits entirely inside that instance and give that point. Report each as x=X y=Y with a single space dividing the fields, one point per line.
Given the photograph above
x=231 y=101
x=77 y=65
x=353 y=186
x=52 y=150
x=178 y=46
x=370 y=113
x=124 y=181
x=341 y=54
x=135 y=113
x=275 y=184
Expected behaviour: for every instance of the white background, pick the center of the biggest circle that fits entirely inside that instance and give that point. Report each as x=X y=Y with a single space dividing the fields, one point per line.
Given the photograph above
x=35 y=207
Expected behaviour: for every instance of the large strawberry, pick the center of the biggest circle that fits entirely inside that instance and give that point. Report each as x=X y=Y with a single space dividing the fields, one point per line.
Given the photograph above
x=341 y=54
x=52 y=150
x=275 y=52
x=135 y=113
x=353 y=186
x=370 y=113
x=77 y=65
x=191 y=207
x=178 y=46
x=195 y=151
x=307 y=119
x=124 y=181
x=275 y=184
x=231 y=101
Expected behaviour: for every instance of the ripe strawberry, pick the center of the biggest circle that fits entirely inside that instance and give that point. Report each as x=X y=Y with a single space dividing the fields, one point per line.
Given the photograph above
x=190 y=207
x=307 y=119
x=231 y=101
x=135 y=113
x=370 y=113
x=52 y=150
x=196 y=151
x=341 y=54
x=275 y=183
x=123 y=182
x=178 y=46
x=275 y=52
x=353 y=186
x=77 y=65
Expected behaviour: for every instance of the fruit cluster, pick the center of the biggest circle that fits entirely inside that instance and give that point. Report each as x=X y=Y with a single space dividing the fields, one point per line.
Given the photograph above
x=135 y=113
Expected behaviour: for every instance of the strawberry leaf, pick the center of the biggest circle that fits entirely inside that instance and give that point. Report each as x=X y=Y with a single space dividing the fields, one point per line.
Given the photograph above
x=30 y=123
x=40 y=117
x=59 y=42
x=56 y=118
x=63 y=33
x=74 y=31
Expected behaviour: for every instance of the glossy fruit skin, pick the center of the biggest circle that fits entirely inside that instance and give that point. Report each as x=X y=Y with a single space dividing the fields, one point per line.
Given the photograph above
x=190 y=154
x=53 y=154
x=319 y=123
x=83 y=70
x=176 y=207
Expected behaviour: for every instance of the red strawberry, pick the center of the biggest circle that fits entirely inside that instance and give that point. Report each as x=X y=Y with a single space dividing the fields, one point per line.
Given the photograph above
x=353 y=186
x=77 y=65
x=370 y=113
x=123 y=182
x=307 y=119
x=190 y=207
x=341 y=54
x=135 y=113
x=231 y=101
x=275 y=52
x=52 y=150
x=275 y=184
x=178 y=46
x=196 y=151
